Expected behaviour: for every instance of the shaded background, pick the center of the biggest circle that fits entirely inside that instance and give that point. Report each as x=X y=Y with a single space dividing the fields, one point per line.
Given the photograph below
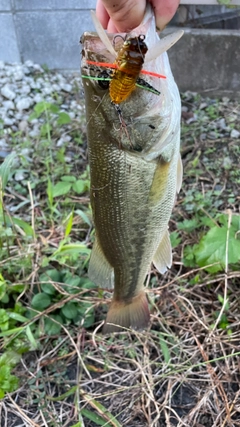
x=48 y=32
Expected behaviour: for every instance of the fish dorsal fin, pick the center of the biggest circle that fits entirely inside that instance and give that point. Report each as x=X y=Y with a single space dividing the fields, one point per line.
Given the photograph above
x=163 y=256
x=100 y=271
x=102 y=34
x=163 y=45
x=179 y=173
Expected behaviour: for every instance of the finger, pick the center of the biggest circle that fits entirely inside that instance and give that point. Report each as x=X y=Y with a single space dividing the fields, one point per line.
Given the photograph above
x=125 y=15
x=164 y=11
x=102 y=14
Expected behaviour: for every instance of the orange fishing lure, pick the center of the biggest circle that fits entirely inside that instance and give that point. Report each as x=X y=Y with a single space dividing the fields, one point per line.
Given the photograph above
x=127 y=68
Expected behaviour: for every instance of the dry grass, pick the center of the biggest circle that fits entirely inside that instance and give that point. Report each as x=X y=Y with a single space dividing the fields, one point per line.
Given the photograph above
x=183 y=371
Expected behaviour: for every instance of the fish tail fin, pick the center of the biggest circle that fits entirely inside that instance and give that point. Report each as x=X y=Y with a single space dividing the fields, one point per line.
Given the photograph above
x=122 y=314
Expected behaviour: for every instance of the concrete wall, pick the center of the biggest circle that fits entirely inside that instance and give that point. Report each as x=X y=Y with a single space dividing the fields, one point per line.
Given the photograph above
x=208 y=61
x=48 y=32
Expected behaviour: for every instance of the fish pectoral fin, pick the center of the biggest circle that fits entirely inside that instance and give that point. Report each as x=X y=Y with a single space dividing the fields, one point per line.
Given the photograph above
x=179 y=173
x=163 y=256
x=128 y=314
x=99 y=270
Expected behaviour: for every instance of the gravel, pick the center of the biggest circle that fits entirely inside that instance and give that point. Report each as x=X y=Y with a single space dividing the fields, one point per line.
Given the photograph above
x=22 y=86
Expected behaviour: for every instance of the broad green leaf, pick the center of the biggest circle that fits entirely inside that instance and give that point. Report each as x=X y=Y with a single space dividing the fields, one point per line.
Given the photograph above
x=53 y=108
x=63 y=119
x=188 y=224
x=41 y=107
x=48 y=288
x=51 y=327
x=41 y=301
x=51 y=274
x=80 y=186
x=72 y=281
x=175 y=239
x=70 y=310
x=61 y=188
x=68 y=178
x=87 y=284
x=189 y=256
x=85 y=307
x=45 y=279
x=89 y=319
x=212 y=248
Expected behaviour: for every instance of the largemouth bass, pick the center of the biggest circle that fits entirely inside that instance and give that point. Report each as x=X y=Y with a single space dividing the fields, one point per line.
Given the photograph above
x=135 y=171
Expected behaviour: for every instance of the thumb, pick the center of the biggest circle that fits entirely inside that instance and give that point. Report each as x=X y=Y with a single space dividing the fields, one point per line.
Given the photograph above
x=120 y=15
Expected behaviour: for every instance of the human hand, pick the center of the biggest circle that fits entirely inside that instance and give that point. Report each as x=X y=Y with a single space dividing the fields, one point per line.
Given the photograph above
x=125 y=15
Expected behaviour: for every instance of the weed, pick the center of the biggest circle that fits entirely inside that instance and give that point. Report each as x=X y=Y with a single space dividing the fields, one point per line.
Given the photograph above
x=48 y=306
x=217 y=248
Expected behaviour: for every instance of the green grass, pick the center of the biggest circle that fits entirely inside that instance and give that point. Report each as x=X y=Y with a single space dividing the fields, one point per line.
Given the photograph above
x=51 y=355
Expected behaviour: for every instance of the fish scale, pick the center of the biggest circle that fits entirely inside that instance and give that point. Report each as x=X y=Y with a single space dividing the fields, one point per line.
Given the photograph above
x=134 y=180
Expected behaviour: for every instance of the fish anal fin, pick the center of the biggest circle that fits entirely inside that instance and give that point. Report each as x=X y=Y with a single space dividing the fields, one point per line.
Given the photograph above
x=100 y=271
x=134 y=314
x=179 y=173
x=163 y=256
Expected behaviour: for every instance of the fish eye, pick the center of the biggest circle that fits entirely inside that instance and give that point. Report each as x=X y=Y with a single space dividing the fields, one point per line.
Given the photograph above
x=142 y=37
x=103 y=81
